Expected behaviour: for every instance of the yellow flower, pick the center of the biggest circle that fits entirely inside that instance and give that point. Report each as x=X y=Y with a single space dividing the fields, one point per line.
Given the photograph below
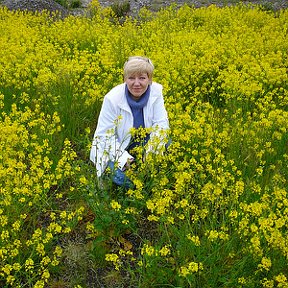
x=153 y=218
x=115 y=205
x=268 y=283
x=29 y=264
x=184 y=271
x=164 y=251
x=282 y=280
x=148 y=250
x=40 y=248
x=191 y=267
x=213 y=235
x=265 y=264
x=45 y=275
x=114 y=258
x=58 y=251
x=242 y=280
x=194 y=239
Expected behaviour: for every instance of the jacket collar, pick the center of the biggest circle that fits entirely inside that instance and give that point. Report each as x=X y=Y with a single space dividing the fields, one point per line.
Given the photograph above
x=123 y=104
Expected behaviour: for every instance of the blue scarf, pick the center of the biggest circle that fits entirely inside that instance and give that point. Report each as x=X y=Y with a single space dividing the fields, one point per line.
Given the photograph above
x=137 y=111
x=137 y=107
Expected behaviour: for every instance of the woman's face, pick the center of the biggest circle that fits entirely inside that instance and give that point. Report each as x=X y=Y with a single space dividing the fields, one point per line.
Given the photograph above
x=137 y=84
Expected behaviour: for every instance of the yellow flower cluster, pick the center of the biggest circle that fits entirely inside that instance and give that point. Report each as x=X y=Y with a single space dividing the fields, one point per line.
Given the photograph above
x=216 y=199
x=118 y=259
x=114 y=258
x=192 y=267
x=152 y=251
x=29 y=172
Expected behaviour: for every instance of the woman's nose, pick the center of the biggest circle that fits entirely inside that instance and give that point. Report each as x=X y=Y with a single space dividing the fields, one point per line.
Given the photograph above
x=137 y=81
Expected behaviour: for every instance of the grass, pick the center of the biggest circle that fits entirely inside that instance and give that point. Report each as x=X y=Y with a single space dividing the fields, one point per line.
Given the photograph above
x=211 y=212
x=70 y=4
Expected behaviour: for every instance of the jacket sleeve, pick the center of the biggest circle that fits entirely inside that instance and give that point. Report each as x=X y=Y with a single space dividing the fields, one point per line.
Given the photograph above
x=106 y=145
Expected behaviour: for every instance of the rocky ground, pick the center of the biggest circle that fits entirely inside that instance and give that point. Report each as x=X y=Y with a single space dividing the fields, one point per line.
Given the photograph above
x=135 y=5
x=157 y=4
x=34 y=5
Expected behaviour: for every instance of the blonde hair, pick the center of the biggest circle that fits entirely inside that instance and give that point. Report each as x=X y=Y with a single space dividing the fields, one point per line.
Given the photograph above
x=138 y=65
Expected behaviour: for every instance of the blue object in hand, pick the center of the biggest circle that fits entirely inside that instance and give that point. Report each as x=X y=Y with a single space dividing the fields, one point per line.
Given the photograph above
x=119 y=177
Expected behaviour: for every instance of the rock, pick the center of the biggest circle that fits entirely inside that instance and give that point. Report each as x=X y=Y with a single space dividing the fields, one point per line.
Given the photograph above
x=35 y=5
x=135 y=5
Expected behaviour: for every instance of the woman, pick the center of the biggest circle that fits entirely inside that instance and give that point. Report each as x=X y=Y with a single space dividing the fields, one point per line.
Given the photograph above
x=138 y=102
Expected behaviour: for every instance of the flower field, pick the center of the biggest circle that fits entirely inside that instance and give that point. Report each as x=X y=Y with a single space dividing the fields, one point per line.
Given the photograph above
x=211 y=212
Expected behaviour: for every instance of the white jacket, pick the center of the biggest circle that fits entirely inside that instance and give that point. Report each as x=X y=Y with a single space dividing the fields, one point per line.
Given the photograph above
x=112 y=135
